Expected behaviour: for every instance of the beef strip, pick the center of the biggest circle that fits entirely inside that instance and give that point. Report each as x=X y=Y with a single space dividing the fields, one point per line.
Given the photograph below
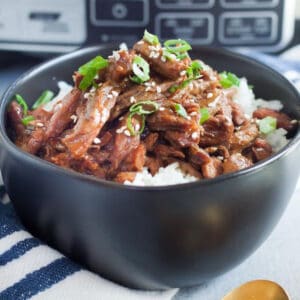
x=135 y=94
x=153 y=164
x=168 y=119
x=151 y=140
x=212 y=168
x=198 y=156
x=245 y=136
x=283 y=120
x=125 y=176
x=15 y=116
x=123 y=143
x=182 y=139
x=169 y=68
x=91 y=120
x=135 y=161
x=120 y=65
x=62 y=115
x=235 y=163
x=238 y=115
x=261 y=149
x=216 y=131
x=165 y=152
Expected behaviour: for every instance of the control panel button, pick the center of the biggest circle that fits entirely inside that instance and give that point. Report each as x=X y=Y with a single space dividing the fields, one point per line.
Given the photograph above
x=197 y=28
x=128 y=13
x=249 y=3
x=248 y=28
x=43 y=21
x=185 y=4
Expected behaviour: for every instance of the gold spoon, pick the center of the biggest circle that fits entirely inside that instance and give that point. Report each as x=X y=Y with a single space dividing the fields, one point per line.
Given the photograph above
x=258 y=290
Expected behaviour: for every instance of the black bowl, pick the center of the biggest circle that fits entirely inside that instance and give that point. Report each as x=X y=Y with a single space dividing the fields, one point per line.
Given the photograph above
x=154 y=237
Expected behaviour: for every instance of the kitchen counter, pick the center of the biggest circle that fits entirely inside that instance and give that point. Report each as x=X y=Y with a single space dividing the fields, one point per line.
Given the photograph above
x=277 y=259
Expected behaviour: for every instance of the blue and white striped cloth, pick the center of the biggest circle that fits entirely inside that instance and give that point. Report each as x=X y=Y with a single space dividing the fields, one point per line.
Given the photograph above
x=29 y=269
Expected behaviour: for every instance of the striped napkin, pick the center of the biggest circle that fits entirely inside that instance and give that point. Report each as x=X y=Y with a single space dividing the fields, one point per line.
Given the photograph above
x=29 y=269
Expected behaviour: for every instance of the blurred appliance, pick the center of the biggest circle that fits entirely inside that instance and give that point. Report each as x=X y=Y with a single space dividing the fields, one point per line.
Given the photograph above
x=64 y=25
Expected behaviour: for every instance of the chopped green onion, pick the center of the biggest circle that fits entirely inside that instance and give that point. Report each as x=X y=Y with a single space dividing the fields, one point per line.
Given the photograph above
x=267 y=125
x=45 y=97
x=167 y=54
x=26 y=120
x=193 y=71
x=140 y=109
x=151 y=38
x=141 y=70
x=180 y=110
x=22 y=103
x=90 y=70
x=205 y=115
x=176 y=49
x=177 y=46
x=228 y=79
x=130 y=127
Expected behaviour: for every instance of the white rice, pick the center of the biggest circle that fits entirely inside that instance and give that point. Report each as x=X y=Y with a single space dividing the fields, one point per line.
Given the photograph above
x=172 y=174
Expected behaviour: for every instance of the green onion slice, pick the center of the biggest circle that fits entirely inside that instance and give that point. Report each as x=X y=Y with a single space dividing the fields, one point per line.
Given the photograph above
x=180 y=110
x=142 y=109
x=130 y=127
x=267 y=125
x=177 y=46
x=45 y=97
x=90 y=70
x=141 y=69
x=193 y=71
x=22 y=103
x=205 y=115
x=228 y=79
x=151 y=38
x=138 y=108
x=26 y=120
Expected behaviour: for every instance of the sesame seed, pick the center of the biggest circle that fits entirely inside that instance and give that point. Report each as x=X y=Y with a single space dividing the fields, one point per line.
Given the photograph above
x=182 y=73
x=163 y=59
x=109 y=96
x=121 y=129
x=39 y=124
x=193 y=113
x=148 y=89
x=86 y=95
x=123 y=46
x=114 y=93
x=140 y=42
x=294 y=121
x=137 y=127
x=122 y=118
x=127 y=133
x=58 y=107
x=152 y=53
x=116 y=55
x=220 y=157
x=153 y=83
x=188 y=117
x=162 y=108
x=209 y=95
x=158 y=89
x=195 y=135
x=74 y=118
x=97 y=141
x=132 y=99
